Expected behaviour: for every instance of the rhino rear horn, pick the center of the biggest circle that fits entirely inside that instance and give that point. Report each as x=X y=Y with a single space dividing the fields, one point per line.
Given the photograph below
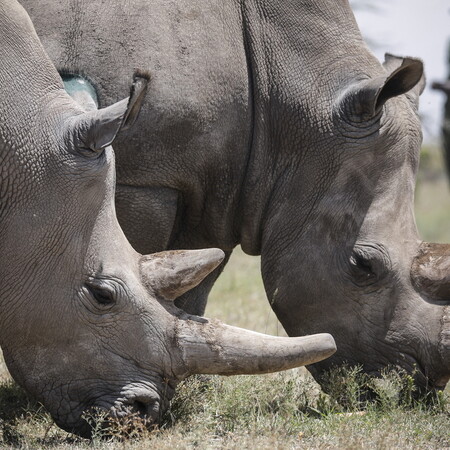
x=365 y=100
x=172 y=273
x=97 y=129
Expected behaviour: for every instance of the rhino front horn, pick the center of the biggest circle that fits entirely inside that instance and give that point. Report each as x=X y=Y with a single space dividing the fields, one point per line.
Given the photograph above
x=172 y=273
x=430 y=271
x=211 y=347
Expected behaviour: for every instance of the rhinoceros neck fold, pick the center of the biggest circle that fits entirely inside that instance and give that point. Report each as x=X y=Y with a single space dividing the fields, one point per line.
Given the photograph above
x=28 y=83
x=23 y=58
x=297 y=72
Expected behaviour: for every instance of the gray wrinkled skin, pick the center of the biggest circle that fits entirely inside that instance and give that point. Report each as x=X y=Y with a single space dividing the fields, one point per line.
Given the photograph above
x=57 y=231
x=85 y=321
x=271 y=125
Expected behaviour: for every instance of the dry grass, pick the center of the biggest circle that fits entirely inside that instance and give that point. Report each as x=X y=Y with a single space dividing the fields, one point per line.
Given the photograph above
x=279 y=411
x=285 y=410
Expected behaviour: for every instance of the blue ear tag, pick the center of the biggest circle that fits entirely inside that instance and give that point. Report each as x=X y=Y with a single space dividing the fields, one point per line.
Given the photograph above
x=81 y=91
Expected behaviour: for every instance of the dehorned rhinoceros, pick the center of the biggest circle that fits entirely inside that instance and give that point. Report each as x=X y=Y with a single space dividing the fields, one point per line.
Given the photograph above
x=271 y=125
x=85 y=321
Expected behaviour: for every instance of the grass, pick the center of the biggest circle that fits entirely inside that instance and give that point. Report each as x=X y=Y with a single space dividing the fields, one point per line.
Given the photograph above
x=285 y=410
x=276 y=411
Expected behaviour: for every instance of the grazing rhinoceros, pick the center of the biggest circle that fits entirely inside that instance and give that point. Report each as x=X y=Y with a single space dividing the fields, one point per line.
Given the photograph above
x=271 y=125
x=85 y=321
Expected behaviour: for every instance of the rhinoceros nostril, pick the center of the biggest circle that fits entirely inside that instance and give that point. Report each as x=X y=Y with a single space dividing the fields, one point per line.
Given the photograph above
x=140 y=408
x=146 y=408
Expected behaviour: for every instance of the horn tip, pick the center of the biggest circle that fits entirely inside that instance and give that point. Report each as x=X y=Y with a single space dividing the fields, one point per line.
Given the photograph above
x=318 y=346
x=215 y=255
x=325 y=344
x=329 y=342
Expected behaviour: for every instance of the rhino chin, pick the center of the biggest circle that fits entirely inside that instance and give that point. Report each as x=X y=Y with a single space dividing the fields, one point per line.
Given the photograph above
x=444 y=337
x=441 y=383
x=78 y=426
x=444 y=347
x=120 y=419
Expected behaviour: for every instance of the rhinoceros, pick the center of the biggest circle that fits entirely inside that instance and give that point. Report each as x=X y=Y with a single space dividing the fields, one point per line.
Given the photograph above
x=85 y=321
x=271 y=125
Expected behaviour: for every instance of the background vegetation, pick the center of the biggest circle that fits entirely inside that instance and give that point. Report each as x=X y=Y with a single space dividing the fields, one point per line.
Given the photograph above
x=286 y=410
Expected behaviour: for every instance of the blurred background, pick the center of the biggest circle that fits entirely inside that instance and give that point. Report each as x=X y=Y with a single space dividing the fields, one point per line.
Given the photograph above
x=415 y=28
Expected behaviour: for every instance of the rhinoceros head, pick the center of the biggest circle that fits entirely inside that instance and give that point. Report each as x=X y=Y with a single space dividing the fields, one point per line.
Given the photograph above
x=85 y=321
x=350 y=260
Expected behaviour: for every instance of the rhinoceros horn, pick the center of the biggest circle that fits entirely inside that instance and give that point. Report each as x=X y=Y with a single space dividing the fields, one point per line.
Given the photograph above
x=430 y=271
x=211 y=347
x=178 y=270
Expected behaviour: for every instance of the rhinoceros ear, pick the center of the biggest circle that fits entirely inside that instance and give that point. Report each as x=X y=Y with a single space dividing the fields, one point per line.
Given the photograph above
x=95 y=130
x=172 y=273
x=365 y=100
x=392 y=63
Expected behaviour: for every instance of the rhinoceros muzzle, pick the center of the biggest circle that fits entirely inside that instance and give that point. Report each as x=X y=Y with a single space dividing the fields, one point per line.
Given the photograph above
x=136 y=405
x=144 y=407
x=205 y=347
x=444 y=346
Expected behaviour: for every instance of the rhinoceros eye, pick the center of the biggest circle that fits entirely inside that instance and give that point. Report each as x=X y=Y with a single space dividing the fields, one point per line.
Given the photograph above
x=368 y=264
x=102 y=292
x=361 y=266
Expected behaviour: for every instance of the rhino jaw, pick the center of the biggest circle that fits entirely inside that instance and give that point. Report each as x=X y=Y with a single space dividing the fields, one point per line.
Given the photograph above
x=444 y=346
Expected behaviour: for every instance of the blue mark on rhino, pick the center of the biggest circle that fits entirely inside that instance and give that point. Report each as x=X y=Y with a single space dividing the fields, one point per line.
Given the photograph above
x=81 y=90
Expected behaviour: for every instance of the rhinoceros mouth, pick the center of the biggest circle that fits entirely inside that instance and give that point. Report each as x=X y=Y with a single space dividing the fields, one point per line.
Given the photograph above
x=133 y=406
x=119 y=418
x=136 y=406
x=425 y=379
